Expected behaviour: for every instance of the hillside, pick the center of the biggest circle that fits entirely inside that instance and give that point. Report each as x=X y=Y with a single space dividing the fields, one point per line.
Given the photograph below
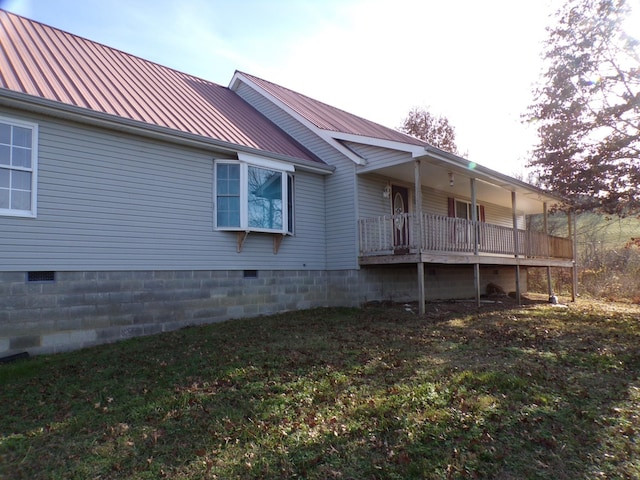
x=609 y=232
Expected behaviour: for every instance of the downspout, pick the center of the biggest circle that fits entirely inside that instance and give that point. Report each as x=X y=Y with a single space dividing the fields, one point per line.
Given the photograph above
x=474 y=222
x=516 y=245
x=418 y=210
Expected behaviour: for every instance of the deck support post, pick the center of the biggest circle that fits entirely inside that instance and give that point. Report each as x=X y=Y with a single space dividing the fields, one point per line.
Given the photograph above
x=516 y=245
x=574 y=238
x=475 y=239
x=421 y=291
x=545 y=216
x=418 y=240
x=476 y=282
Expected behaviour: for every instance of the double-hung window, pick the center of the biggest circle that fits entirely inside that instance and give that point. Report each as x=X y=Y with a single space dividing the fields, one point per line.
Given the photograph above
x=18 y=171
x=465 y=210
x=254 y=194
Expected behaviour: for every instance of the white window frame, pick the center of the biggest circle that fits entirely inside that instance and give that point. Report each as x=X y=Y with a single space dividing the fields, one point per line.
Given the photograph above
x=469 y=209
x=245 y=161
x=10 y=212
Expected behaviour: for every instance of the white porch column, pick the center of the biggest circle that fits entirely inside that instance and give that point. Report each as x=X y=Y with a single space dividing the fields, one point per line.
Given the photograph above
x=516 y=244
x=418 y=210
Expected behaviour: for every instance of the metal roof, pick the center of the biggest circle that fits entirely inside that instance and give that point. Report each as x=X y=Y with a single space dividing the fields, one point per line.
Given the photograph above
x=332 y=119
x=45 y=62
x=326 y=117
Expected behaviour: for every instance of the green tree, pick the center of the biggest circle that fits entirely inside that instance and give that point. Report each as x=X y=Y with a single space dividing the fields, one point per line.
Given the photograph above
x=435 y=130
x=588 y=109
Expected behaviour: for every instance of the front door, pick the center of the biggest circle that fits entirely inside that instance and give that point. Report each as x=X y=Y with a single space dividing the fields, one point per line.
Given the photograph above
x=400 y=207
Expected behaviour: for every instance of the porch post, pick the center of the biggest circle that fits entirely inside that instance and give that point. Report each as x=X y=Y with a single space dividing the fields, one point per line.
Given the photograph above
x=474 y=222
x=418 y=210
x=546 y=232
x=516 y=245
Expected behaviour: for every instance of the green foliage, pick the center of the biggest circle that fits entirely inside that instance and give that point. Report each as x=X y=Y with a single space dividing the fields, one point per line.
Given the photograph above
x=435 y=130
x=588 y=110
x=536 y=392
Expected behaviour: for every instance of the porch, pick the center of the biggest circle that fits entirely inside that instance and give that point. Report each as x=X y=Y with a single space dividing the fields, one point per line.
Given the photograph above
x=428 y=238
x=445 y=210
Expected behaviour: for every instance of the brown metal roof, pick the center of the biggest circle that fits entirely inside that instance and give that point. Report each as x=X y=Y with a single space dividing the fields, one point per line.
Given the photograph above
x=45 y=62
x=330 y=118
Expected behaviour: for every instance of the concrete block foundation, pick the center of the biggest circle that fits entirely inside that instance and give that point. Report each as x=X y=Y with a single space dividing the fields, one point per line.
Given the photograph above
x=81 y=309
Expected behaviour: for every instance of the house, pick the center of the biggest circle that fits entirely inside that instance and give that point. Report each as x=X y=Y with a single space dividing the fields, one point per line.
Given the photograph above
x=136 y=199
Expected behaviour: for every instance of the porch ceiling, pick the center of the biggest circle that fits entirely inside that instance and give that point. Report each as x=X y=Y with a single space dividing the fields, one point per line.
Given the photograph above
x=435 y=174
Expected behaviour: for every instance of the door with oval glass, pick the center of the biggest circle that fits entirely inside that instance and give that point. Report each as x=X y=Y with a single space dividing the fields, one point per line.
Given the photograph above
x=400 y=208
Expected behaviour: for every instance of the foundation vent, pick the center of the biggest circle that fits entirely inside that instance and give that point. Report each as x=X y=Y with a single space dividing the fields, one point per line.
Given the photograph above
x=41 y=276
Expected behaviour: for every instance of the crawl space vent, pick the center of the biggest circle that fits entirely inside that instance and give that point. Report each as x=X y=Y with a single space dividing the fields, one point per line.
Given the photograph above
x=41 y=276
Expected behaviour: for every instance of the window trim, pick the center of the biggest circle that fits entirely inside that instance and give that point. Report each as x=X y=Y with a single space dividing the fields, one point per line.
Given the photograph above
x=480 y=209
x=287 y=183
x=32 y=213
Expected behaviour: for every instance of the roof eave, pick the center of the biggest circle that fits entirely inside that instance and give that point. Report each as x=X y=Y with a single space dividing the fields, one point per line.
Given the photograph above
x=22 y=101
x=497 y=178
x=378 y=142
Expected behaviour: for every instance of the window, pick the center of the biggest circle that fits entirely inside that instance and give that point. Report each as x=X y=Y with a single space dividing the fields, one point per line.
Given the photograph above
x=17 y=168
x=463 y=235
x=254 y=194
x=228 y=194
x=463 y=209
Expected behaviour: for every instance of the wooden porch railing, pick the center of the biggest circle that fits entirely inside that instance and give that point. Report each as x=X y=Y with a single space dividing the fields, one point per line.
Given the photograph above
x=389 y=233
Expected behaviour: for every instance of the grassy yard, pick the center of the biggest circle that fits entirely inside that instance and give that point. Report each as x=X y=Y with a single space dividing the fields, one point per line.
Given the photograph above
x=504 y=393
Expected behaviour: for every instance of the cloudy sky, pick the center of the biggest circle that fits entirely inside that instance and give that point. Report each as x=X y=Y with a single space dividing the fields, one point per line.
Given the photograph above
x=475 y=62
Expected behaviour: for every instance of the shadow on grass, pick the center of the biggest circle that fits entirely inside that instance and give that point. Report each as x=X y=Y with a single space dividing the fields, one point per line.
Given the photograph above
x=533 y=392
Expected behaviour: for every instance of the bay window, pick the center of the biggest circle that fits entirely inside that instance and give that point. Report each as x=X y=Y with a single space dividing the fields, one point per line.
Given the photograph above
x=18 y=142
x=254 y=194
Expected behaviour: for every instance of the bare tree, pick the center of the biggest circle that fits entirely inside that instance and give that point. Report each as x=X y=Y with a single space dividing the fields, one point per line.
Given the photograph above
x=588 y=110
x=435 y=130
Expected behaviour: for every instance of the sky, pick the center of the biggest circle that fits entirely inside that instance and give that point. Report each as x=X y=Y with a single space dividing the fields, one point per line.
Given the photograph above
x=474 y=62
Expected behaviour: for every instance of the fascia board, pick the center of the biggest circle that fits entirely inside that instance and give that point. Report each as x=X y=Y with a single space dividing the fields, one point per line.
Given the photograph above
x=378 y=142
x=370 y=168
x=323 y=134
x=488 y=175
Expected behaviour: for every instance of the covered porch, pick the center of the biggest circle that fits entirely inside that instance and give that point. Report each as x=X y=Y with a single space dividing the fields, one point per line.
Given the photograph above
x=417 y=233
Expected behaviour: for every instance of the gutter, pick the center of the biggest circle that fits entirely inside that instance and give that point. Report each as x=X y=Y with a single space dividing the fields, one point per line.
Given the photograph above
x=63 y=111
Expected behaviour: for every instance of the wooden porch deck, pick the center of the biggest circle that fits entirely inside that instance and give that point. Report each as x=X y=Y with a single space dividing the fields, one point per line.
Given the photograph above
x=406 y=238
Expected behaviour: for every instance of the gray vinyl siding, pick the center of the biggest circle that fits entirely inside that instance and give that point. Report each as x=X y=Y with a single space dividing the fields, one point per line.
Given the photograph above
x=371 y=202
x=342 y=214
x=378 y=157
x=436 y=202
x=112 y=201
x=340 y=187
